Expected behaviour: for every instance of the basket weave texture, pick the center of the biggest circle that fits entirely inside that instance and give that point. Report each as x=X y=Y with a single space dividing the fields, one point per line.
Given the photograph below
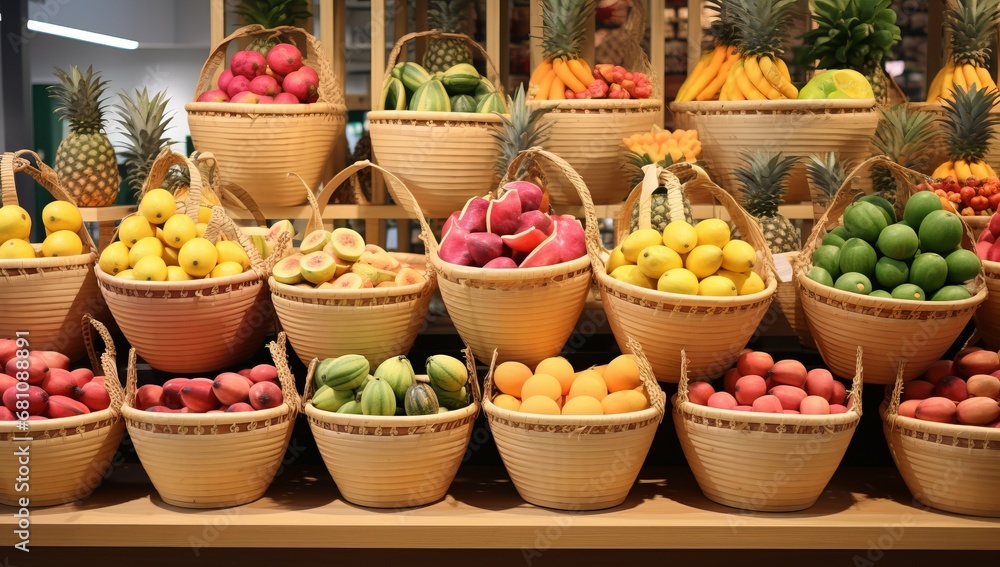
x=988 y=314
x=70 y=456
x=891 y=330
x=261 y=142
x=47 y=297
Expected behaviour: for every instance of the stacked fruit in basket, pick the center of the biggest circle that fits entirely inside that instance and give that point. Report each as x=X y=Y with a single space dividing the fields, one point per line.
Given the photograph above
x=275 y=77
x=341 y=260
x=757 y=383
x=917 y=258
x=52 y=391
x=554 y=388
x=249 y=389
x=344 y=385
x=962 y=390
x=986 y=247
x=62 y=222
x=458 y=89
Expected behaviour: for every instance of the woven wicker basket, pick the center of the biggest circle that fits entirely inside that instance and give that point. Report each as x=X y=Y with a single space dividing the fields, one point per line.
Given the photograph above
x=588 y=133
x=576 y=462
x=527 y=314
x=198 y=325
x=955 y=468
x=47 y=296
x=795 y=127
x=988 y=314
x=70 y=456
x=891 y=330
x=713 y=330
x=393 y=461
x=786 y=295
x=766 y=462
x=376 y=322
x=444 y=158
x=258 y=141
x=202 y=460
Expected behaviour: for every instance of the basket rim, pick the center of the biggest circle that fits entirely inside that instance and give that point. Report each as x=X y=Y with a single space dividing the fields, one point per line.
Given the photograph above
x=606 y=281
x=192 y=285
x=375 y=116
x=494 y=412
x=60 y=423
x=565 y=105
x=295 y=292
x=890 y=304
x=979 y=432
x=690 y=408
x=196 y=419
x=456 y=271
x=265 y=109
x=313 y=414
x=85 y=259
x=991 y=269
x=792 y=105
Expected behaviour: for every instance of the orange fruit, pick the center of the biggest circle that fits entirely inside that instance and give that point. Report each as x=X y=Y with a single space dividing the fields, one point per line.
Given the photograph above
x=560 y=368
x=510 y=376
x=542 y=385
x=622 y=373
x=588 y=383
x=540 y=404
x=624 y=401
x=583 y=405
x=507 y=402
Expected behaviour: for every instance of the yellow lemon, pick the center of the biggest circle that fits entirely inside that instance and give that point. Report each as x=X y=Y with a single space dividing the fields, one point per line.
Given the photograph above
x=717 y=286
x=61 y=215
x=204 y=213
x=16 y=249
x=224 y=269
x=713 y=231
x=14 y=223
x=738 y=278
x=704 y=260
x=114 y=258
x=150 y=269
x=170 y=256
x=126 y=274
x=635 y=242
x=133 y=229
x=678 y=280
x=62 y=243
x=753 y=284
x=680 y=236
x=177 y=274
x=198 y=257
x=738 y=256
x=655 y=260
x=615 y=259
x=200 y=229
x=631 y=274
x=231 y=251
x=177 y=230
x=149 y=246
x=157 y=206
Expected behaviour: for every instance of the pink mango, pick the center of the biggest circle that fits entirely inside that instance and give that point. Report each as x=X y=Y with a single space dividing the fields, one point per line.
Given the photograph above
x=572 y=240
x=448 y=222
x=501 y=262
x=301 y=85
x=248 y=64
x=986 y=236
x=247 y=97
x=238 y=85
x=548 y=253
x=284 y=58
x=286 y=98
x=983 y=249
x=483 y=247
x=503 y=213
x=994 y=226
x=472 y=217
x=265 y=85
x=215 y=95
x=224 y=78
x=994 y=253
x=524 y=241
x=537 y=219
x=454 y=248
x=529 y=193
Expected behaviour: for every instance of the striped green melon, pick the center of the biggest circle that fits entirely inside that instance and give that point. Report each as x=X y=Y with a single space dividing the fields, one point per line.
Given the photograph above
x=398 y=373
x=463 y=103
x=491 y=103
x=411 y=74
x=420 y=399
x=447 y=372
x=393 y=95
x=343 y=372
x=461 y=79
x=378 y=399
x=452 y=400
x=430 y=97
x=484 y=88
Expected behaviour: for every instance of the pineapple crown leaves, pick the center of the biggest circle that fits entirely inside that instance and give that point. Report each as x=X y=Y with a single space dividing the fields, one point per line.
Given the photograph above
x=722 y=29
x=446 y=15
x=273 y=13
x=762 y=25
x=763 y=177
x=635 y=162
x=904 y=136
x=143 y=123
x=827 y=173
x=972 y=25
x=79 y=95
x=523 y=130
x=564 y=26
x=850 y=33
x=968 y=123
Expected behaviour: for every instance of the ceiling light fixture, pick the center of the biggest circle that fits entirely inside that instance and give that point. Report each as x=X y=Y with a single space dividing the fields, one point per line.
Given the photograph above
x=82 y=35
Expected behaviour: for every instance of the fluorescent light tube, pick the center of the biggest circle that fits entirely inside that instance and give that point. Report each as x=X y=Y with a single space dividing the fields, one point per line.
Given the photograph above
x=73 y=33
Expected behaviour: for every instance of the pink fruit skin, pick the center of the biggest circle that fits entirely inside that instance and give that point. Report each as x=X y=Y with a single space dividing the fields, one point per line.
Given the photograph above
x=6 y=414
x=277 y=77
x=790 y=396
x=699 y=392
x=938 y=409
x=454 y=249
x=952 y=388
x=248 y=64
x=237 y=85
x=265 y=395
x=263 y=373
x=983 y=249
x=147 y=396
x=231 y=388
x=264 y=99
x=743 y=408
x=537 y=219
x=819 y=382
x=749 y=388
x=790 y=373
x=530 y=194
x=839 y=393
x=224 y=78
x=245 y=372
x=60 y=382
x=917 y=390
x=53 y=359
x=730 y=379
x=754 y=362
x=216 y=95
x=483 y=247
x=722 y=400
x=239 y=407
x=909 y=408
x=97 y=380
x=37 y=369
x=977 y=411
x=8 y=350
x=994 y=226
x=82 y=375
x=472 y=217
x=265 y=85
x=814 y=405
x=163 y=409
x=300 y=84
x=524 y=241
x=198 y=395
x=94 y=396
x=837 y=408
x=501 y=263
x=571 y=238
x=6 y=382
x=548 y=253
x=286 y=98
x=768 y=404
x=172 y=392
x=993 y=254
x=61 y=406
x=939 y=370
x=987 y=236
x=36 y=397
x=310 y=73
x=284 y=58
x=503 y=214
x=246 y=97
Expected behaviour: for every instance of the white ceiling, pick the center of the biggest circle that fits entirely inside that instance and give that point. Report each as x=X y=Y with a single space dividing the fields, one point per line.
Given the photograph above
x=153 y=23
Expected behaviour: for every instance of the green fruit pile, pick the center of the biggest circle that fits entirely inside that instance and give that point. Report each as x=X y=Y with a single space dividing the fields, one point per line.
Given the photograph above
x=459 y=89
x=917 y=258
x=344 y=385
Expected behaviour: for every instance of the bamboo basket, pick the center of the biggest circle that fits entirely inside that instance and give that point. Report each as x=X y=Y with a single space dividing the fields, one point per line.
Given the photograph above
x=892 y=330
x=588 y=133
x=767 y=462
x=576 y=462
x=393 y=461
x=47 y=297
x=444 y=158
x=988 y=314
x=70 y=456
x=951 y=467
x=713 y=330
x=786 y=295
x=794 y=127
x=197 y=325
x=258 y=141
x=377 y=322
x=527 y=314
x=217 y=460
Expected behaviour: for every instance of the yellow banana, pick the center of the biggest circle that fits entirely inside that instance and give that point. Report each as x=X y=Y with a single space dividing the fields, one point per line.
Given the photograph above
x=985 y=79
x=934 y=91
x=971 y=78
x=745 y=86
x=959 y=78
x=989 y=170
x=782 y=68
x=947 y=85
x=962 y=171
x=756 y=77
x=943 y=170
x=773 y=75
x=729 y=90
x=978 y=168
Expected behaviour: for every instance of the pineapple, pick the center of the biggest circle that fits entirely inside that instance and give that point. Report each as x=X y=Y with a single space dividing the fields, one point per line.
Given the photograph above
x=564 y=26
x=85 y=160
x=272 y=14
x=143 y=122
x=178 y=181
x=853 y=34
x=763 y=177
x=905 y=137
x=444 y=53
x=664 y=201
x=826 y=174
x=523 y=130
x=761 y=32
x=968 y=127
x=971 y=31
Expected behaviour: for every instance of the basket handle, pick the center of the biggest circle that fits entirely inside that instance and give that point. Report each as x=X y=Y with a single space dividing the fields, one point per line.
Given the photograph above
x=896 y=395
x=657 y=398
x=488 y=385
x=857 y=383
x=397 y=49
x=13 y=162
x=131 y=378
x=158 y=172
x=470 y=363
x=229 y=191
x=672 y=178
x=279 y=356
x=327 y=88
x=107 y=363
x=310 y=387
